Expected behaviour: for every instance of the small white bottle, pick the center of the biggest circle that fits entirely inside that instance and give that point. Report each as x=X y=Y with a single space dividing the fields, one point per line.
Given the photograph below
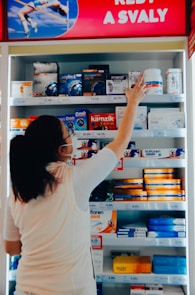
x=154 y=81
x=174 y=81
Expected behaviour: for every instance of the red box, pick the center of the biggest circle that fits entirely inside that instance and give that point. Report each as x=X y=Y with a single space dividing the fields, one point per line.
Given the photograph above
x=102 y=121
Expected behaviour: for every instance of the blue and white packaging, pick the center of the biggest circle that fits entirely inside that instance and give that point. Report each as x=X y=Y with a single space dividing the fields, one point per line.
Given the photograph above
x=140 y=119
x=81 y=119
x=70 y=84
x=68 y=120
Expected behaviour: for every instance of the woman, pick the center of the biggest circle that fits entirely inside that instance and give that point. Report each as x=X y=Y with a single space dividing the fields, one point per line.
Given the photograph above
x=28 y=8
x=47 y=217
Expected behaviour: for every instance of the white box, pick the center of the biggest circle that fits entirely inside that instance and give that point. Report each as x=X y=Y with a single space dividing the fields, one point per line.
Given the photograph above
x=169 y=120
x=140 y=119
x=45 y=82
x=154 y=290
x=21 y=88
x=169 y=153
x=116 y=83
x=133 y=77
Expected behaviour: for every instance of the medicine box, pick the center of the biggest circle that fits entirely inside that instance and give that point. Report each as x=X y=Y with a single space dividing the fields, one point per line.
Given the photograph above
x=81 y=118
x=21 y=88
x=132 y=264
x=166 y=234
x=140 y=119
x=85 y=148
x=137 y=290
x=45 y=84
x=154 y=290
x=103 y=221
x=70 y=84
x=158 y=173
x=170 y=153
x=94 y=82
x=133 y=77
x=160 y=184
x=169 y=120
x=68 y=120
x=102 y=121
x=116 y=83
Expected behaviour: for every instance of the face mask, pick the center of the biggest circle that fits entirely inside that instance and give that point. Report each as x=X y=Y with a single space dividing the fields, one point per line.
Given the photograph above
x=73 y=144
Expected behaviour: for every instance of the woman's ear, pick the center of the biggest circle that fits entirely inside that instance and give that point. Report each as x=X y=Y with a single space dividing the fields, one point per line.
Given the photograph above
x=61 y=151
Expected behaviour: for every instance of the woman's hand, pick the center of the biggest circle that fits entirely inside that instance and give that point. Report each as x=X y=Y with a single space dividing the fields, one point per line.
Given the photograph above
x=136 y=94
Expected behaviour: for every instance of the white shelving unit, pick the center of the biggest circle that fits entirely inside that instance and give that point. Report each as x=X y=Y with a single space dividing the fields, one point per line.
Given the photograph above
x=122 y=55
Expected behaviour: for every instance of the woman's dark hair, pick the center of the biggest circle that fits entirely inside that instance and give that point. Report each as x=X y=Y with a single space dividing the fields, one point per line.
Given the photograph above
x=30 y=154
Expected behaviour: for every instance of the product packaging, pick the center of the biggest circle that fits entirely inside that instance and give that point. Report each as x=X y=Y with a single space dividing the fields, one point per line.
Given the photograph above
x=94 y=82
x=102 y=121
x=70 y=84
x=154 y=81
x=21 y=88
x=174 y=81
x=116 y=83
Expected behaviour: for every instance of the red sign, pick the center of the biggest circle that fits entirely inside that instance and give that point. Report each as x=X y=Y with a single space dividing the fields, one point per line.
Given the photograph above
x=115 y=18
x=95 y=19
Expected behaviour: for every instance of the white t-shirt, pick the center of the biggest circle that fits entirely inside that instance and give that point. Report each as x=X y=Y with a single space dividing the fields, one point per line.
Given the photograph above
x=55 y=230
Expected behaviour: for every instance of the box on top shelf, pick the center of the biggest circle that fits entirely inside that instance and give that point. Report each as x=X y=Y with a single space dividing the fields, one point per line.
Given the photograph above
x=133 y=77
x=116 y=83
x=45 y=79
x=94 y=82
x=70 y=84
x=21 y=88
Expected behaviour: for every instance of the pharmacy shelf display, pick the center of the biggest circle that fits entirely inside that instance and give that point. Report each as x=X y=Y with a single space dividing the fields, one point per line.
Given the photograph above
x=122 y=56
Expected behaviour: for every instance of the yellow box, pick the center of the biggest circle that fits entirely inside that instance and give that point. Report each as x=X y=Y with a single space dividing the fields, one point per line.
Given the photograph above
x=132 y=264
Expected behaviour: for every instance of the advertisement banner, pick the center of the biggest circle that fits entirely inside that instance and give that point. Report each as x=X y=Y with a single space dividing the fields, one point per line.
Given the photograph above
x=76 y=19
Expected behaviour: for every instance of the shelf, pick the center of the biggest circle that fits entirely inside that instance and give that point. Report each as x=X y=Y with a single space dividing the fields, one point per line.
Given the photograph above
x=165 y=279
x=97 y=99
x=136 y=206
x=109 y=240
x=146 y=133
x=147 y=163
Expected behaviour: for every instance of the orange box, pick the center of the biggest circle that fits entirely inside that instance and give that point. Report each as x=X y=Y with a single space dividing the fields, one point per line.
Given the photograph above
x=19 y=123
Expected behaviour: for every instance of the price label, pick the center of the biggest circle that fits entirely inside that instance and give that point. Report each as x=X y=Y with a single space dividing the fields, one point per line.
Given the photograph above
x=175 y=97
x=96 y=241
x=119 y=165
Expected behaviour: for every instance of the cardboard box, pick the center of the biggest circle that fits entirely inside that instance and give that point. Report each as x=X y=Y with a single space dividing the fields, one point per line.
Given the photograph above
x=169 y=120
x=21 y=88
x=103 y=221
x=45 y=84
x=102 y=121
x=81 y=119
x=94 y=82
x=116 y=83
x=140 y=119
x=70 y=85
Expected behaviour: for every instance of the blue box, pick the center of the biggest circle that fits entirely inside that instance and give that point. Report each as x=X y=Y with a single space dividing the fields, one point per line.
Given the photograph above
x=70 y=84
x=81 y=119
